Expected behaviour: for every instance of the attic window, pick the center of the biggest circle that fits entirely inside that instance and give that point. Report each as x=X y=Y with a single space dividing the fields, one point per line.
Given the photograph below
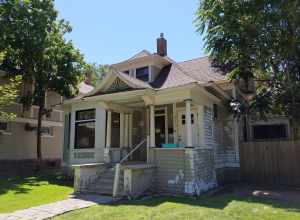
x=142 y=73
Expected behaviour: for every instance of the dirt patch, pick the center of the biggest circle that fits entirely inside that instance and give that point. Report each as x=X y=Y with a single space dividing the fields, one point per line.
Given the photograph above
x=266 y=192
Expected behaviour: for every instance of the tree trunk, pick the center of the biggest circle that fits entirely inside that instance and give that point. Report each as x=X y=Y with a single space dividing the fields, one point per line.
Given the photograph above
x=39 y=127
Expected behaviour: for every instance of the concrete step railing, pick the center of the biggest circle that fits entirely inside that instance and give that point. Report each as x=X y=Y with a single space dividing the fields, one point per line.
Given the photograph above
x=118 y=166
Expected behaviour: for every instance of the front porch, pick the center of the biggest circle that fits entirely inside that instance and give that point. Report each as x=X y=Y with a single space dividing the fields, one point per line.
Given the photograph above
x=152 y=142
x=169 y=126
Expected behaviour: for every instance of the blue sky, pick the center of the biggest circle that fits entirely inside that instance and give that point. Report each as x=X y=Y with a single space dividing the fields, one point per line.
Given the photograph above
x=109 y=31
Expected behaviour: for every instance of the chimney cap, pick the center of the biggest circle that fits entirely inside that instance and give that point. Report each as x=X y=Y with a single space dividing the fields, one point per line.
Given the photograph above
x=161 y=35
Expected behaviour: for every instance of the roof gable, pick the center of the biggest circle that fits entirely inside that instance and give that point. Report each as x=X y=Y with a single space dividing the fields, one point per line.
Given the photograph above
x=143 y=53
x=116 y=81
x=117 y=86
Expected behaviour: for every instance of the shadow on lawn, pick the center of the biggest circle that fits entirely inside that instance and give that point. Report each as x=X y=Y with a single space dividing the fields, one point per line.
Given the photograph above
x=219 y=201
x=23 y=184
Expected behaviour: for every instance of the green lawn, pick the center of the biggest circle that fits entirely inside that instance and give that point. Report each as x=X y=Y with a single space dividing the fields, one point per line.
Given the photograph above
x=32 y=190
x=222 y=207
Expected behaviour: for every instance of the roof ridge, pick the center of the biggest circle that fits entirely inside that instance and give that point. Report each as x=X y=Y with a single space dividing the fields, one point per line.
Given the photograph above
x=142 y=51
x=198 y=58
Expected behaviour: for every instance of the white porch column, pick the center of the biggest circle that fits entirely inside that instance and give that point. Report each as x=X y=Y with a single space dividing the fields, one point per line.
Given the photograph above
x=130 y=131
x=175 y=123
x=152 y=126
x=188 y=123
x=126 y=135
x=108 y=138
x=108 y=130
x=122 y=116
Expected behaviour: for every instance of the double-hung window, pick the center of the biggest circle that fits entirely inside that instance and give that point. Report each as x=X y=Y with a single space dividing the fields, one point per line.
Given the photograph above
x=85 y=129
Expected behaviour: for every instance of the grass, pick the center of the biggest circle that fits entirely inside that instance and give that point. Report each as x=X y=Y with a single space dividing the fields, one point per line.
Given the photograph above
x=32 y=190
x=222 y=207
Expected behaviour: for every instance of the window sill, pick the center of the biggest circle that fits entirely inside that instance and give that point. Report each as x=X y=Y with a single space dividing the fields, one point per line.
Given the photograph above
x=47 y=136
x=5 y=133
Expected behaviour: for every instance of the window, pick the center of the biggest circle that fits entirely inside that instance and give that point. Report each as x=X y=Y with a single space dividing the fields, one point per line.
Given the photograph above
x=85 y=129
x=126 y=72
x=183 y=119
x=142 y=73
x=3 y=126
x=215 y=110
x=273 y=131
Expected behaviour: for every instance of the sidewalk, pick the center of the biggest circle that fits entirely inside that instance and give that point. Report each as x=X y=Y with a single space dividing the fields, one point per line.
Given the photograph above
x=57 y=208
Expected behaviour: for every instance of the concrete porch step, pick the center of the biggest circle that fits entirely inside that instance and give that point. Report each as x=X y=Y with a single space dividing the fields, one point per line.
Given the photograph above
x=103 y=185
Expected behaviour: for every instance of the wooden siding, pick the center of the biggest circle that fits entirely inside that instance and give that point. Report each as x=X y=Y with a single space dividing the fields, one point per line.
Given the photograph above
x=170 y=169
x=275 y=162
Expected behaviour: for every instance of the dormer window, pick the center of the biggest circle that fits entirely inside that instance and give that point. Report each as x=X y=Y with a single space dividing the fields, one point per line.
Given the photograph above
x=142 y=73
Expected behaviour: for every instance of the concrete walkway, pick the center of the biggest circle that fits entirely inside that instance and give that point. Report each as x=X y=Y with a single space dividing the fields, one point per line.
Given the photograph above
x=57 y=208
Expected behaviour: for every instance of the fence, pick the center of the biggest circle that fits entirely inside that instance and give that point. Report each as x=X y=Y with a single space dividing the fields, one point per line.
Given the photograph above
x=276 y=163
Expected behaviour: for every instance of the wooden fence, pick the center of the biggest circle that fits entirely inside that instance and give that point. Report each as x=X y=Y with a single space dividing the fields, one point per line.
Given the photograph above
x=276 y=163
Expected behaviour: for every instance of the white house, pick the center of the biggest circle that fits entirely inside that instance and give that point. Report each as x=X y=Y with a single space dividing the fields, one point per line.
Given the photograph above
x=153 y=124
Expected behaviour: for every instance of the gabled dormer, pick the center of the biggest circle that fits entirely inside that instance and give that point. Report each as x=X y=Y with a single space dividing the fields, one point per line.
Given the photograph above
x=144 y=65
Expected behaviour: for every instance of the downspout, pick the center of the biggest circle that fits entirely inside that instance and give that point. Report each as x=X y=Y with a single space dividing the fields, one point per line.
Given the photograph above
x=236 y=127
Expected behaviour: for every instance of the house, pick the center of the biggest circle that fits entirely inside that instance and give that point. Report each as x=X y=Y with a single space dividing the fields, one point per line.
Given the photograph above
x=153 y=124
x=18 y=137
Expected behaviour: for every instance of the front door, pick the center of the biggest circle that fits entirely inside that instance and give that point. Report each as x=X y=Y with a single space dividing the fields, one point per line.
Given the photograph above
x=160 y=130
x=182 y=128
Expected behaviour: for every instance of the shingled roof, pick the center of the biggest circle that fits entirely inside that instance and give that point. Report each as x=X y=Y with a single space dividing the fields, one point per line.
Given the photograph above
x=177 y=74
x=201 y=70
x=173 y=75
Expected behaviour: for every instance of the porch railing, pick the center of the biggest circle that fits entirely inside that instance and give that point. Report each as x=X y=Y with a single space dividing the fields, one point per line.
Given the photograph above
x=118 y=166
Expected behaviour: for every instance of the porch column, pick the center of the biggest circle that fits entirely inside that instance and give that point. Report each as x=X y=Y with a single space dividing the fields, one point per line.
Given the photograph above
x=108 y=138
x=122 y=116
x=126 y=135
x=108 y=130
x=188 y=123
x=152 y=126
x=175 y=123
x=130 y=131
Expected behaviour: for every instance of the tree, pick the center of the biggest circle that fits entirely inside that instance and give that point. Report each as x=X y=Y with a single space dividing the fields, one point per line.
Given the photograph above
x=260 y=40
x=8 y=94
x=96 y=72
x=33 y=39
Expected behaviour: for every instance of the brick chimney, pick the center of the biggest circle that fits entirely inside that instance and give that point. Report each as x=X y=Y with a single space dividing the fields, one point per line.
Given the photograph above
x=161 y=45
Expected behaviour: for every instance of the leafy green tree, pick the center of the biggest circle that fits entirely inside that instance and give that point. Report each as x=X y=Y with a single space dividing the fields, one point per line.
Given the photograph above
x=9 y=91
x=8 y=94
x=33 y=38
x=96 y=72
x=257 y=40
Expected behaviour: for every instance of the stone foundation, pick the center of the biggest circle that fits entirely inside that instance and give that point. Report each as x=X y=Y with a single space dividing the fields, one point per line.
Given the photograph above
x=184 y=171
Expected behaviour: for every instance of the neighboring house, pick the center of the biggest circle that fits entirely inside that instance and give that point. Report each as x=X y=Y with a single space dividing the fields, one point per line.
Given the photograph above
x=18 y=137
x=169 y=115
